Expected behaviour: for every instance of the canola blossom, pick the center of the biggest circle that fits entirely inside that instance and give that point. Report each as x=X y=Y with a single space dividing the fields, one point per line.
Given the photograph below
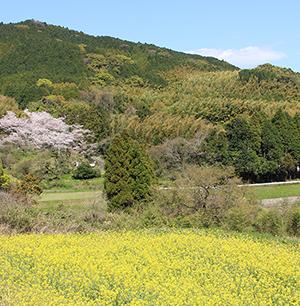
x=148 y=268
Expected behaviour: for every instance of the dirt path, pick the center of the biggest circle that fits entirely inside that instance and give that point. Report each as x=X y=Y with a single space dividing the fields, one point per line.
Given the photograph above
x=280 y=201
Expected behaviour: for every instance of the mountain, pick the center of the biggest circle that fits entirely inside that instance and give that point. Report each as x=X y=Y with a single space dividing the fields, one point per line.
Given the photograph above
x=33 y=50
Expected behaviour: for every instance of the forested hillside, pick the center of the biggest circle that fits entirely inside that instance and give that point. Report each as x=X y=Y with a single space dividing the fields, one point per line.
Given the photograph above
x=185 y=109
x=32 y=50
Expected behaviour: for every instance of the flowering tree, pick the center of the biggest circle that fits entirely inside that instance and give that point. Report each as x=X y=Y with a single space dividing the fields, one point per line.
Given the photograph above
x=41 y=130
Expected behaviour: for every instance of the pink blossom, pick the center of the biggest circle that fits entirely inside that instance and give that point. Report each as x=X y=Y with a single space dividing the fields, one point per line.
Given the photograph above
x=40 y=130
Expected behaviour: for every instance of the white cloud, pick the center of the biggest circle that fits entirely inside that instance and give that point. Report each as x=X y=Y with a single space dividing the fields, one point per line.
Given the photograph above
x=245 y=57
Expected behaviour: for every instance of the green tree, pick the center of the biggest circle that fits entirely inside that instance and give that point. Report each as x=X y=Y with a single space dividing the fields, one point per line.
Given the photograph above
x=271 y=150
x=244 y=144
x=216 y=148
x=287 y=129
x=128 y=173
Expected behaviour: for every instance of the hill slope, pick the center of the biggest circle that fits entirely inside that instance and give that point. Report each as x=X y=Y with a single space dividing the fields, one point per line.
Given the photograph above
x=32 y=50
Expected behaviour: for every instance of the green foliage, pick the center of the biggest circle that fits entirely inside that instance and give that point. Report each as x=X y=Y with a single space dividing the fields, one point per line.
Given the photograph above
x=128 y=173
x=293 y=222
x=269 y=221
x=156 y=95
x=8 y=104
x=92 y=116
x=30 y=51
x=244 y=144
x=47 y=165
x=159 y=127
x=215 y=148
x=84 y=171
x=5 y=180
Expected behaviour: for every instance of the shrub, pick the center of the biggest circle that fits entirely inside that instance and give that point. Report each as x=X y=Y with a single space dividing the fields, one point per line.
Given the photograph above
x=15 y=213
x=200 y=197
x=269 y=221
x=210 y=191
x=4 y=178
x=293 y=222
x=29 y=186
x=84 y=171
x=241 y=218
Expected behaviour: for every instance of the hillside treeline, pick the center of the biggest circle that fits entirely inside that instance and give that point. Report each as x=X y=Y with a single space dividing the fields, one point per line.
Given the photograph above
x=185 y=109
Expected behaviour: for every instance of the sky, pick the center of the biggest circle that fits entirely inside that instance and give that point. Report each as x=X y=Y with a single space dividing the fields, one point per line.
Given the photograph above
x=245 y=33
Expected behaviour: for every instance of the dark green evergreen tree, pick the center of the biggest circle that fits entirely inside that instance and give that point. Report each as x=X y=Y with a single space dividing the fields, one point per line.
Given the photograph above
x=216 y=148
x=271 y=150
x=244 y=144
x=287 y=128
x=128 y=173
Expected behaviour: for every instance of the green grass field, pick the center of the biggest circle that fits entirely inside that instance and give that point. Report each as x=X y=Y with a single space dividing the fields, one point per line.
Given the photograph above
x=71 y=204
x=70 y=196
x=278 y=191
x=70 y=192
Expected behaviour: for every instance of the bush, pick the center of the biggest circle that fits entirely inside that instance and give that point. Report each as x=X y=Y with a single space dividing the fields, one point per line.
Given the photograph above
x=270 y=221
x=84 y=171
x=241 y=218
x=28 y=186
x=15 y=212
x=293 y=222
x=4 y=178
x=210 y=191
x=200 y=197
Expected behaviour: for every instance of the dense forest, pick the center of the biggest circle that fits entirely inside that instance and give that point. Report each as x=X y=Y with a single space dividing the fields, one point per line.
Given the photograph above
x=184 y=109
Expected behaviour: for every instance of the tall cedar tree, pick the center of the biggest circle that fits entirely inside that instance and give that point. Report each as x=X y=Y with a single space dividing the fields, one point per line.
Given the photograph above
x=128 y=173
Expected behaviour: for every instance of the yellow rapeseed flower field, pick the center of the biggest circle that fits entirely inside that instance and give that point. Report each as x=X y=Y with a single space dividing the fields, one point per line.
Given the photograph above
x=148 y=268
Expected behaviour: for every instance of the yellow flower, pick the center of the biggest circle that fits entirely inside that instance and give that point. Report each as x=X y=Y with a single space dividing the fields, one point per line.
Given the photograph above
x=148 y=268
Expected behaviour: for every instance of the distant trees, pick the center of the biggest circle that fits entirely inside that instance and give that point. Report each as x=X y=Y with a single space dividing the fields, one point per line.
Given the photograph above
x=64 y=89
x=128 y=173
x=244 y=144
x=91 y=114
x=266 y=148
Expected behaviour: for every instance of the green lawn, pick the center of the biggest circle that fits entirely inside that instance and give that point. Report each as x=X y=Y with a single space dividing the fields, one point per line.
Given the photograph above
x=69 y=196
x=71 y=203
x=277 y=191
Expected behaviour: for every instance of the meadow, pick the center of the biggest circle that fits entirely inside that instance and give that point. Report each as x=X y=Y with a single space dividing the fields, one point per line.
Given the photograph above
x=275 y=191
x=148 y=268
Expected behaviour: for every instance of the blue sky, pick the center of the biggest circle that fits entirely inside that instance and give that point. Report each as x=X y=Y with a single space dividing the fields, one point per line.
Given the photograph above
x=245 y=33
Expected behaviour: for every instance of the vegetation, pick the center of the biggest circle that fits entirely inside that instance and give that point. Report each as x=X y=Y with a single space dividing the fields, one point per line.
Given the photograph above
x=174 y=135
x=84 y=171
x=142 y=115
x=147 y=267
x=278 y=191
x=202 y=110
x=32 y=50
x=128 y=173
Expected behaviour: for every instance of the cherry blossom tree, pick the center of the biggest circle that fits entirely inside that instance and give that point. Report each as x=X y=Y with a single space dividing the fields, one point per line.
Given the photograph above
x=41 y=130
